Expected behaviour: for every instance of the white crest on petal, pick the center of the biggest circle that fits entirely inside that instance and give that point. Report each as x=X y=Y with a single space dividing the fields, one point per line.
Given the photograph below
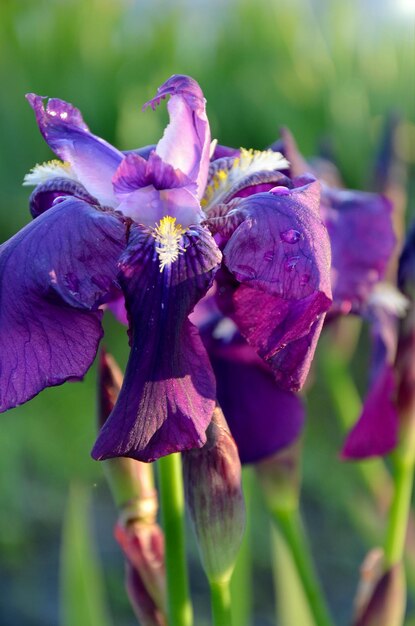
x=47 y=171
x=248 y=163
x=387 y=297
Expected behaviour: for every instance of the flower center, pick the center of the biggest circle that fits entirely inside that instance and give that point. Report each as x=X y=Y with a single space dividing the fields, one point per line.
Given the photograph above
x=168 y=235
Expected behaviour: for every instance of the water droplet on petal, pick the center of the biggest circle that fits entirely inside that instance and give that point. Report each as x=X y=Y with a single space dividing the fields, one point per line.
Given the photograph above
x=246 y=271
x=291 y=236
x=291 y=263
x=305 y=279
x=269 y=256
x=280 y=190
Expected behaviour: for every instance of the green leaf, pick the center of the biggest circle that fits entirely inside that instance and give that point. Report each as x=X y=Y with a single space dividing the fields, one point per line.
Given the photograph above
x=81 y=582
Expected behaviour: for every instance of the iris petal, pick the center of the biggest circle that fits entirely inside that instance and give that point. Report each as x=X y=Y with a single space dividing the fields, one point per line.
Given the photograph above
x=280 y=258
x=186 y=140
x=168 y=394
x=93 y=160
x=53 y=276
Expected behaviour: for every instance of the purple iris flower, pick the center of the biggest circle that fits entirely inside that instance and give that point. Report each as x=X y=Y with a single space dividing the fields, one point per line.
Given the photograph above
x=144 y=232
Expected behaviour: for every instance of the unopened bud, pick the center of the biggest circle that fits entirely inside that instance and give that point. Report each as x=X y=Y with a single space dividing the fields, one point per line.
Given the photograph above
x=381 y=596
x=279 y=477
x=212 y=479
x=143 y=605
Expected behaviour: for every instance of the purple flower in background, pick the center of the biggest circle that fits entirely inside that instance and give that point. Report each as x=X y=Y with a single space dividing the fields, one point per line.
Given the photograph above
x=133 y=232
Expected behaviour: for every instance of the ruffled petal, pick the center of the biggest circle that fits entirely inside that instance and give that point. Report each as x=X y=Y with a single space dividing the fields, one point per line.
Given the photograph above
x=376 y=431
x=186 y=140
x=44 y=196
x=280 y=258
x=93 y=160
x=168 y=394
x=53 y=276
x=362 y=240
x=149 y=190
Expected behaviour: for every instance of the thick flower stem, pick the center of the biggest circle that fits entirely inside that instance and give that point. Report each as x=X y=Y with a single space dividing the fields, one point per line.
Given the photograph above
x=220 y=597
x=399 y=510
x=172 y=509
x=290 y=526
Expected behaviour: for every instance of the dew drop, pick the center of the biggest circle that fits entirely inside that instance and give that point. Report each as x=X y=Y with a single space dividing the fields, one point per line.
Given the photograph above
x=280 y=190
x=291 y=263
x=291 y=236
x=269 y=256
x=305 y=279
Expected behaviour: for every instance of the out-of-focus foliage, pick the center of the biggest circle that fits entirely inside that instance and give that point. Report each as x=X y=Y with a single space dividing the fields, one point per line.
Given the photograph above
x=331 y=71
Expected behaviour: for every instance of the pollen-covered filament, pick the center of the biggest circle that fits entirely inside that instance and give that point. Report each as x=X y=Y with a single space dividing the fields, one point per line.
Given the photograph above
x=168 y=235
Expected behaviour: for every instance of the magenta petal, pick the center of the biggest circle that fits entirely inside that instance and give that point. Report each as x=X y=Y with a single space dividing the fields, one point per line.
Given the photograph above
x=135 y=172
x=366 y=220
x=53 y=276
x=280 y=255
x=186 y=140
x=376 y=431
x=168 y=395
x=93 y=160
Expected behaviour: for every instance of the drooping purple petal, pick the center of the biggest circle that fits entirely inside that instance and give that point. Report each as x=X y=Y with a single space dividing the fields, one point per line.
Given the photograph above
x=186 y=140
x=168 y=394
x=53 y=276
x=376 y=431
x=362 y=240
x=262 y=417
x=280 y=258
x=45 y=194
x=93 y=160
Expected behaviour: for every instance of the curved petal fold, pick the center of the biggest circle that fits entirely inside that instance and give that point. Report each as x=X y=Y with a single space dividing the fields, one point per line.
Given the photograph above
x=92 y=159
x=280 y=258
x=54 y=274
x=186 y=140
x=168 y=395
x=44 y=195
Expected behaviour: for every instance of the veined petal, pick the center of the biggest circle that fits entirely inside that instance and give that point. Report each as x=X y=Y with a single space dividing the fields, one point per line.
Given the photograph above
x=168 y=394
x=135 y=172
x=92 y=159
x=53 y=276
x=366 y=220
x=186 y=140
x=228 y=176
x=280 y=259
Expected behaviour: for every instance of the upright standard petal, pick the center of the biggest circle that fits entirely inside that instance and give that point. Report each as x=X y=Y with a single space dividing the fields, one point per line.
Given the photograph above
x=279 y=257
x=168 y=395
x=92 y=159
x=53 y=276
x=186 y=140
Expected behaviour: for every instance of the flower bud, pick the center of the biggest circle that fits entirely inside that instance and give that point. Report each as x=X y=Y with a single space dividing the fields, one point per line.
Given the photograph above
x=212 y=480
x=381 y=596
x=143 y=605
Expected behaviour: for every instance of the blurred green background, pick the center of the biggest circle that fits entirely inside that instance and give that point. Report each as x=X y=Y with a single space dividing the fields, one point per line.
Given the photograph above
x=332 y=72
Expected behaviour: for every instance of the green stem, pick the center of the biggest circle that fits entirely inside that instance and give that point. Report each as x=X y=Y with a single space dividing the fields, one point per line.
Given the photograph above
x=172 y=509
x=290 y=525
x=220 y=597
x=399 y=510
